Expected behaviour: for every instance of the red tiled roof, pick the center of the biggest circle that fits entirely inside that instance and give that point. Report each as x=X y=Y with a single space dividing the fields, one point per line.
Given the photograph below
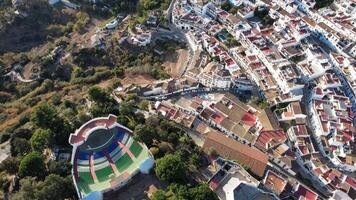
x=351 y=181
x=252 y=58
x=248 y=156
x=267 y=139
x=303 y=149
x=306 y=193
x=249 y=119
x=347 y=136
x=275 y=182
x=230 y=62
x=340 y=59
x=300 y=130
x=217 y=118
x=217 y=51
x=224 y=13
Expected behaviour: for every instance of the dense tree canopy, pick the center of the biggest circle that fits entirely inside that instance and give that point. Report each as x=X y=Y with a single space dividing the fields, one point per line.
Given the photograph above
x=170 y=168
x=98 y=95
x=10 y=165
x=20 y=146
x=154 y=4
x=104 y=103
x=32 y=165
x=202 y=192
x=323 y=3
x=145 y=134
x=27 y=190
x=46 y=116
x=40 y=139
x=53 y=187
x=176 y=191
x=159 y=195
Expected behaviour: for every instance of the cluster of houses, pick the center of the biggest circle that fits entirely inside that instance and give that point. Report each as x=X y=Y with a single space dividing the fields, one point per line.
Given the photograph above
x=230 y=181
x=233 y=130
x=300 y=60
x=279 y=58
x=334 y=116
x=303 y=65
x=313 y=166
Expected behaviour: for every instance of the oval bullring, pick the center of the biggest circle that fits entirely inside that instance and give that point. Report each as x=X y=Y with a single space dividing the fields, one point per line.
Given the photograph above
x=106 y=157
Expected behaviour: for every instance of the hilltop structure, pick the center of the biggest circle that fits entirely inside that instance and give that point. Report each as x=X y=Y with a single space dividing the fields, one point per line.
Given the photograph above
x=105 y=156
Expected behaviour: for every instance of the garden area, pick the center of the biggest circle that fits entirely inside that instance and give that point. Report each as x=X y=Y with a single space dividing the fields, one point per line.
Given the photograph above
x=225 y=37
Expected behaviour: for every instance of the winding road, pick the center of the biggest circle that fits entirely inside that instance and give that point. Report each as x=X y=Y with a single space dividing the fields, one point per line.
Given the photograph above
x=18 y=76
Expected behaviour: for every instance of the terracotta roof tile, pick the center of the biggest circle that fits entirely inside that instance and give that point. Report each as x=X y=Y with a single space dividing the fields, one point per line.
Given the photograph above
x=275 y=182
x=248 y=156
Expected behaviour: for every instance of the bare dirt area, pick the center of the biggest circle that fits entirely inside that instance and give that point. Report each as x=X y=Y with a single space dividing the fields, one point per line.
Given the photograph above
x=137 y=79
x=27 y=70
x=13 y=119
x=176 y=62
x=105 y=84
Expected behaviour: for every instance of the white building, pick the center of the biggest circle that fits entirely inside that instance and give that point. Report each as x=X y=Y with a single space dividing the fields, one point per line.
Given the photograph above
x=215 y=76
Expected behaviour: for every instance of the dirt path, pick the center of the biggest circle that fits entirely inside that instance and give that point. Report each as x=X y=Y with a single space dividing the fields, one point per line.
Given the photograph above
x=4 y=150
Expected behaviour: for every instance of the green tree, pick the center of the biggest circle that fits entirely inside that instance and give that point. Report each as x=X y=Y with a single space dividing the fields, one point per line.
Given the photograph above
x=20 y=146
x=27 y=189
x=323 y=3
x=62 y=168
x=10 y=165
x=170 y=168
x=144 y=134
x=82 y=20
x=183 y=192
x=56 y=100
x=55 y=187
x=159 y=195
x=46 y=116
x=226 y=6
x=98 y=95
x=4 y=183
x=202 y=192
x=143 y=105
x=179 y=192
x=32 y=165
x=83 y=117
x=126 y=108
x=40 y=139
x=263 y=14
